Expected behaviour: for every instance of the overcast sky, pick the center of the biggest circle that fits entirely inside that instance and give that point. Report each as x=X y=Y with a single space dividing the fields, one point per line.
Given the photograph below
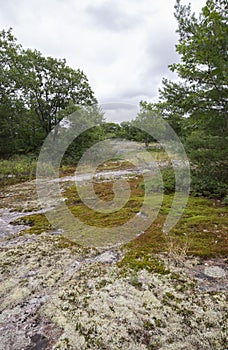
x=123 y=46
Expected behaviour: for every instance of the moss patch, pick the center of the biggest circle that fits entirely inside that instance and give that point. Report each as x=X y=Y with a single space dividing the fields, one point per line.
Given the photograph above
x=140 y=261
x=104 y=191
x=38 y=222
x=201 y=231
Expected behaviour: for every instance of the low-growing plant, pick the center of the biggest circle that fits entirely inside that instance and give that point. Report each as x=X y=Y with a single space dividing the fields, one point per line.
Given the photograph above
x=167 y=184
x=17 y=169
x=225 y=200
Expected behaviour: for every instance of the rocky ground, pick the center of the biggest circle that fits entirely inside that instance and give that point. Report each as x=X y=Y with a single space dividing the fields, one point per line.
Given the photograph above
x=57 y=295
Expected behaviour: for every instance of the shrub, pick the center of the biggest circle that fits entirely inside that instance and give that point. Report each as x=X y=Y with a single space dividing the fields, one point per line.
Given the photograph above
x=225 y=200
x=17 y=169
x=209 y=158
x=167 y=185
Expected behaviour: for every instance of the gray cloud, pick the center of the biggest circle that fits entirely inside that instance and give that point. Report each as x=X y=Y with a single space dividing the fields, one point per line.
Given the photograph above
x=123 y=46
x=110 y=16
x=117 y=112
x=161 y=53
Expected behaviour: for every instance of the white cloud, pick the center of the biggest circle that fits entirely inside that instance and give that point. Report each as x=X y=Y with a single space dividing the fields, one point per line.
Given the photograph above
x=123 y=46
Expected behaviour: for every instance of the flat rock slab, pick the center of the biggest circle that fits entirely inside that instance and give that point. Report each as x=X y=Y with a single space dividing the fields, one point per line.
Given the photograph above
x=215 y=272
x=211 y=275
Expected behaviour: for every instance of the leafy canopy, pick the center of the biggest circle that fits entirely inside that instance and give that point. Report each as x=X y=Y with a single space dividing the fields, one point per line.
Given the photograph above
x=202 y=90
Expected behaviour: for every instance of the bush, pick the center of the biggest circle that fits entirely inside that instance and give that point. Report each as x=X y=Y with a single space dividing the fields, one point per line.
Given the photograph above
x=207 y=183
x=209 y=158
x=17 y=169
x=166 y=186
x=225 y=200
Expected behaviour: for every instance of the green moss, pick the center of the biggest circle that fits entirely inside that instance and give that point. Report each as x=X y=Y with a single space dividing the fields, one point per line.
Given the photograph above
x=175 y=276
x=197 y=219
x=148 y=325
x=138 y=261
x=104 y=191
x=201 y=231
x=101 y=284
x=185 y=312
x=203 y=227
x=169 y=297
x=38 y=222
x=64 y=242
x=159 y=323
x=135 y=281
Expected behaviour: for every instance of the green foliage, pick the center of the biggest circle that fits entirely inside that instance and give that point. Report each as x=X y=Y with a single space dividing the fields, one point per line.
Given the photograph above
x=225 y=200
x=209 y=157
x=33 y=91
x=81 y=143
x=89 y=118
x=17 y=169
x=202 y=91
x=150 y=123
x=49 y=85
x=111 y=130
x=167 y=185
x=196 y=105
x=131 y=131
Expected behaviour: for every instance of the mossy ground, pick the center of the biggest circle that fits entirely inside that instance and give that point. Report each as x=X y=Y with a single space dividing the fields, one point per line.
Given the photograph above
x=54 y=288
x=201 y=231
